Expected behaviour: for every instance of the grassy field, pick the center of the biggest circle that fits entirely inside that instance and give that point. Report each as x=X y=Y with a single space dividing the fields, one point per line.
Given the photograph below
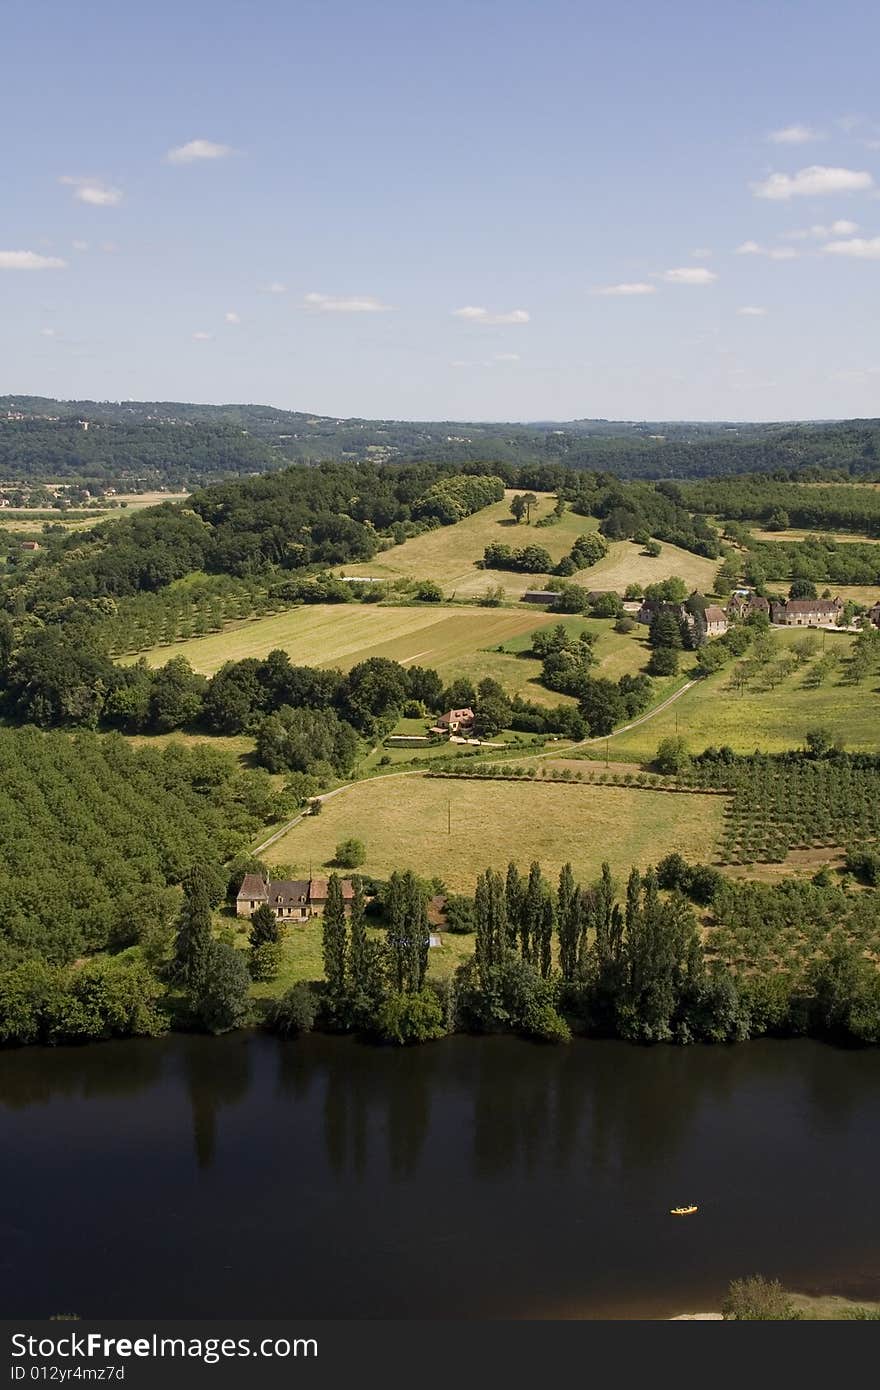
x=451 y=640
x=404 y=822
x=626 y=563
x=80 y=518
x=301 y=957
x=795 y=533
x=771 y=720
x=448 y=555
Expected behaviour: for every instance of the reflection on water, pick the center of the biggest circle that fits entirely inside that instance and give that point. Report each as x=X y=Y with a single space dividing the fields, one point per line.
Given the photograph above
x=469 y=1178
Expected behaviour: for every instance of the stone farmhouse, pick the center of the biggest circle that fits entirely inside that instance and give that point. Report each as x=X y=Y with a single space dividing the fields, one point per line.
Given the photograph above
x=874 y=615
x=292 y=900
x=715 y=619
x=743 y=603
x=807 y=612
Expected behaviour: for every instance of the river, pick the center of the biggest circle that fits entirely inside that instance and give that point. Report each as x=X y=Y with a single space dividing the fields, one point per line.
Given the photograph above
x=485 y=1178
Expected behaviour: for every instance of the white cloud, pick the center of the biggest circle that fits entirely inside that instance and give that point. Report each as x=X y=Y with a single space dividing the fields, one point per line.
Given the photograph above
x=197 y=149
x=92 y=191
x=476 y=314
x=689 y=275
x=29 y=260
x=327 y=304
x=634 y=287
x=110 y=247
x=702 y=253
x=859 y=248
x=813 y=182
x=820 y=233
x=752 y=311
x=232 y=317
x=202 y=337
x=775 y=253
x=276 y=287
x=80 y=245
x=506 y=357
x=794 y=135
x=48 y=332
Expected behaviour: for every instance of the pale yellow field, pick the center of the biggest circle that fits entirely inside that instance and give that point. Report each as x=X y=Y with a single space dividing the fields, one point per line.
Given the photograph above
x=626 y=564
x=404 y=823
x=796 y=534
x=448 y=555
x=447 y=639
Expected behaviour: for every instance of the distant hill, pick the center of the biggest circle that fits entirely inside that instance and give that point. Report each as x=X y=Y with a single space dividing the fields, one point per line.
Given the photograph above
x=183 y=445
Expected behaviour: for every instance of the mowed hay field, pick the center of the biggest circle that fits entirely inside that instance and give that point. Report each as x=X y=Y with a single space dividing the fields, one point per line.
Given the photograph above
x=625 y=564
x=403 y=822
x=772 y=720
x=454 y=641
x=449 y=554
x=447 y=639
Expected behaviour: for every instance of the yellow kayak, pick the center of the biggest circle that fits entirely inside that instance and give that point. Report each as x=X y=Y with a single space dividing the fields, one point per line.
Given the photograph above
x=682 y=1211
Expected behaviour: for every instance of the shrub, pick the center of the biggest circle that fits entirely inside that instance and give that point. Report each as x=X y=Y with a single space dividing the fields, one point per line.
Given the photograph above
x=410 y=1018
x=294 y=1012
x=672 y=756
x=350 y=854
x=264 y=961
x=758 y=1300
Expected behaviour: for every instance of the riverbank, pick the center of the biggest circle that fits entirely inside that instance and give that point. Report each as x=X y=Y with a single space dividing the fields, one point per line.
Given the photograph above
x=808 y=1308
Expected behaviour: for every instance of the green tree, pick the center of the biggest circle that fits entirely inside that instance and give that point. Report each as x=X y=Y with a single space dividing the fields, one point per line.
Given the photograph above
x=220 y=1002
x=334 y=943
x=350 y=854
x=672 y=757
x=194 y=930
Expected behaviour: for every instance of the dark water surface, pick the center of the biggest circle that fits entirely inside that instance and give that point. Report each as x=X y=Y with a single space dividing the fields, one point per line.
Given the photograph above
x=472 y=1178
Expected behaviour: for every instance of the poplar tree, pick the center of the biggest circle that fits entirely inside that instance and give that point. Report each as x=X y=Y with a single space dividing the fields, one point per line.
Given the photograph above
x=334 y=941
x=568 y=923
x=490 y=910
x=357 y=951
x=193 y=942
x=513 y=899
x=532 y=916
x=544 y=957
x=417 y=931
x=397 y=946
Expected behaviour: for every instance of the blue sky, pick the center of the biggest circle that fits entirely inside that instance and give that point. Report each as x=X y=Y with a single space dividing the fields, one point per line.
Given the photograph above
x=464 y=211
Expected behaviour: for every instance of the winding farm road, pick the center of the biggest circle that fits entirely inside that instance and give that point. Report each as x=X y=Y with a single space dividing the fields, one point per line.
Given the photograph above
x=418 y=771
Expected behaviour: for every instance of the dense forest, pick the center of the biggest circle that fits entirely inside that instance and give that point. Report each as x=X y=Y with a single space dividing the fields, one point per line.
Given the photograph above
x=181 y=445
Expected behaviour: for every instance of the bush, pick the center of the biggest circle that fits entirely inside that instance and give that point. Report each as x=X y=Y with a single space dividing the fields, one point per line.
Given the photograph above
x=426 y=591
x=672 y=756
x=410 y=1018
x=758 y=1300
x=350 y=854
x=459 y=912
x=294 y=1012
x=664 y=662
x=264 y=961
